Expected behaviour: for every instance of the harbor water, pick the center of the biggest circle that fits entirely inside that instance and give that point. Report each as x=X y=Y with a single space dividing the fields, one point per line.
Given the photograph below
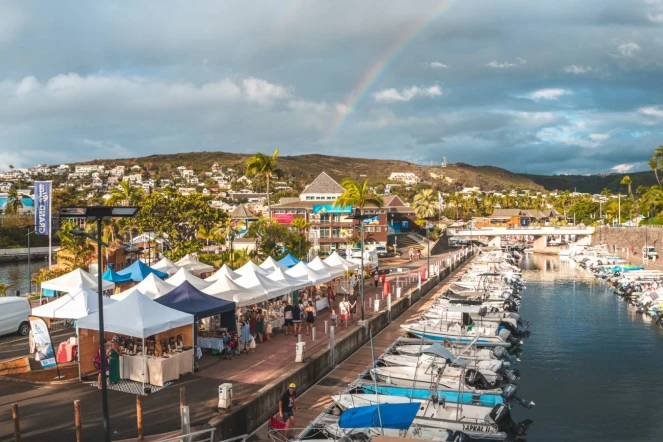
x=16 y=274
x=592 y=364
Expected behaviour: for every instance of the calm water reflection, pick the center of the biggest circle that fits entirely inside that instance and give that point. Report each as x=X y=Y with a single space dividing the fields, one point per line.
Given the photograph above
x=592 y=365
x=16 y=273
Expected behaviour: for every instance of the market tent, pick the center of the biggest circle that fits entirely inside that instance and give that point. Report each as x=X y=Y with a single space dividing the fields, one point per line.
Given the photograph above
x=251 y=267
x=270 y=265
x=139 y=271
x=289 y=261
x=301 y=270
x=151 y=286
x=187 y=298
x=336 y=260
x=223 y=271
x=110 y=275
x=194 y=266
x=256 y=281
x=319 y=266
x=138 y=316
x=226 y=288
x=74 y=279
x=279 y=275
x=73 y=305
x=184 y=275
x=166 y=265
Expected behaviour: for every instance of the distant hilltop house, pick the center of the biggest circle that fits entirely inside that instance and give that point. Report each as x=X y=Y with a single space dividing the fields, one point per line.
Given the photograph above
x=404 y=177
x=88 y=168
x=468 y=190
x=248 y=194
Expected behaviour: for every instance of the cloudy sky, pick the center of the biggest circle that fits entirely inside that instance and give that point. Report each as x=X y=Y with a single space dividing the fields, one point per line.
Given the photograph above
x=563 y=86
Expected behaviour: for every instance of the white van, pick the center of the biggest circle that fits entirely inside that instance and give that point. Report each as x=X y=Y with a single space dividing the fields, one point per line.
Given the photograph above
x=14 y=312
x=370 y=258
x=381 y=251
x=649 y=252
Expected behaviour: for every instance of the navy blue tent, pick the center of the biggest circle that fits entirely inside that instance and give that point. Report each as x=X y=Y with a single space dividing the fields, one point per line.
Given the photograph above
x=139 y=271
x=394 y=416
x=289 y=261
x=186 y=298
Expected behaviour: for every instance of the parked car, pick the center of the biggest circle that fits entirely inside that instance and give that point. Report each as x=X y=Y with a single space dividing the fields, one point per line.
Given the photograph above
x=649 y=252
x=14 y=312
x=370 y=258
x=342 y=253
x=381 y=251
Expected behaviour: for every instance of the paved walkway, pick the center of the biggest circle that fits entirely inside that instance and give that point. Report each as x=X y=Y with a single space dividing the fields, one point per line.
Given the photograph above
x=47 y=411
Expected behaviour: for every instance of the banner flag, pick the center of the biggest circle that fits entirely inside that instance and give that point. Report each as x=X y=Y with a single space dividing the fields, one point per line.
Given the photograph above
x=43 y=208
x=43 y=343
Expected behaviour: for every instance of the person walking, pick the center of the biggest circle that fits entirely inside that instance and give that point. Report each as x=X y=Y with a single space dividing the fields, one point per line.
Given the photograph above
x=287 y=316
x=287 y=408
x=376 y=278
x=344 y=309
x=411 y=253
x=353 y=307
x=261 y=326
x=297 y=319
x=245 y=339
x=418 y=254
x=310 y=317
x=384 y=278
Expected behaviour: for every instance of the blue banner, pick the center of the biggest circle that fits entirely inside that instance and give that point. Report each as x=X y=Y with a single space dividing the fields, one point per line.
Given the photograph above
x=43 y=208
x=329 y=208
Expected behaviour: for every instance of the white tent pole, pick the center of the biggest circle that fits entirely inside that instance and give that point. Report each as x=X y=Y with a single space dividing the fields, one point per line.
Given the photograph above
x=143 y=377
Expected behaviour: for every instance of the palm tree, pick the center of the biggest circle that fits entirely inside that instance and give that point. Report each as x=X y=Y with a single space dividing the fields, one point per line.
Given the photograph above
x=124 y=194
x=13 y=202
x=3 y=288
x=626 y=181
x=652 y=196
x=357 y=195
x=207 y=233
x=425 y=204
x=264 y=165
x=655 y=162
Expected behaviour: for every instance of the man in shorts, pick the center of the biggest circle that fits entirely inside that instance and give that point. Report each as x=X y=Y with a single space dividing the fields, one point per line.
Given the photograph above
x=287 y=316
x=287 y=408
x=344 y=310
x=352 y=300
x=297 y=318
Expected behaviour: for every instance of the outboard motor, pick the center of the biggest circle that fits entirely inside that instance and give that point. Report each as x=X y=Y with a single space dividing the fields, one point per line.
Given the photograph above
x=502 y=417
x=458 y=436
x=510 y=393
x=507 y=337
x=475 y=379
x=501 y=353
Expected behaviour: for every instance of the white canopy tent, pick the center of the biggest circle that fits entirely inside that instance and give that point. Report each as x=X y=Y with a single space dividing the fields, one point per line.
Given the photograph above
x=223 y=271
x=257 y=281
x=152 y=287
x=73 y=305
x=194 y=266
x=251 y=267
x=270 y=265
x=73 y=280
x=138 y=316
x=335 y=260
x=319 y=266
x=166 y=265
x=184 y=275
x=279 y=275
x=225 y=288
x=301 y=270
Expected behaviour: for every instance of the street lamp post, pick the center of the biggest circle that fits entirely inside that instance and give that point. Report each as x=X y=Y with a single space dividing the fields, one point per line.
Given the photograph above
x=29 y=226
x=358 y=215
x=99 y=213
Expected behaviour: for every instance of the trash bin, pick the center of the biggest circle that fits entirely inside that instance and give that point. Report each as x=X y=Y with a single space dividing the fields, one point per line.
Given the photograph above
x=225 y=396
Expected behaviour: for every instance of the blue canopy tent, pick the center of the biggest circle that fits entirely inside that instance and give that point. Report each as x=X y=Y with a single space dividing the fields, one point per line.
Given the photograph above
x=289 y=261
x=186 y=298
x=110 y=275
x=139 y=271
x=393 y=416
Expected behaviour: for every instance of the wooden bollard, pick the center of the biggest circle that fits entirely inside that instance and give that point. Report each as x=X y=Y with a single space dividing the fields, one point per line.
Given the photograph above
x=17 y=424
x=182 y=398
x=77 y=421
x=139 y=417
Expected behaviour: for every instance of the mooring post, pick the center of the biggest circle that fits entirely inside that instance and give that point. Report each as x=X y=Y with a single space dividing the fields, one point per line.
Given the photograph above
x=17 y=424
x=182 y=398
x=77 y=421
x=139 y=417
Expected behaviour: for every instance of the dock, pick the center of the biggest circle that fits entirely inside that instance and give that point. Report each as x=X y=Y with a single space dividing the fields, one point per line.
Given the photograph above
x=317 y=398
x=21 y=254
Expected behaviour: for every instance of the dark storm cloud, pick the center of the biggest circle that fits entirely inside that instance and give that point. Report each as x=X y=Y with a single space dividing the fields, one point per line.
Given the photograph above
x=545 y=87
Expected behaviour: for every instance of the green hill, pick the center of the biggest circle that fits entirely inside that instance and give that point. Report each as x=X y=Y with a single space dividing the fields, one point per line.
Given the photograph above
x=593 y=183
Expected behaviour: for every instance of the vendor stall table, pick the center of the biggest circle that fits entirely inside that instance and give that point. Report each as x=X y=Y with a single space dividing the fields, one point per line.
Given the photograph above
x=213 y=343
x=158 y=370
x=322 y=304
x=66 y=352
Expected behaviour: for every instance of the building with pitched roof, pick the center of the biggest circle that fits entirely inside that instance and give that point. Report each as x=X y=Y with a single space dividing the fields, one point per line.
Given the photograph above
x=330 y=227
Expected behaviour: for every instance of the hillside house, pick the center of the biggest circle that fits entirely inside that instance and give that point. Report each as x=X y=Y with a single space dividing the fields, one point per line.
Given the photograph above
x=404 y=177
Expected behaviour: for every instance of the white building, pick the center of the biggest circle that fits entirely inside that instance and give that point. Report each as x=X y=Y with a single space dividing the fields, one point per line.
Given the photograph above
x=404 y=177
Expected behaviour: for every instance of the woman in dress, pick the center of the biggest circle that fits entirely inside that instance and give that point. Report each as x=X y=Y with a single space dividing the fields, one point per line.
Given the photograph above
x=261 y=326
x=245 y=338
x=310 y=317
x=114 y=362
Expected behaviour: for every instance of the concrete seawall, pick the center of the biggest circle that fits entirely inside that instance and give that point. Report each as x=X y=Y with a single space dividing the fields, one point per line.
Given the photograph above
x=626 y=237
x=247 y=417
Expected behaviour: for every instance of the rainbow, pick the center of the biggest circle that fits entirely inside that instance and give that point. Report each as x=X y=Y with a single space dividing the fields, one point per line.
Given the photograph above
x=382 y=64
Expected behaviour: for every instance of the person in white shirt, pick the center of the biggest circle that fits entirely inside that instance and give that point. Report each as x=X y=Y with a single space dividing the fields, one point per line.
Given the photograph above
x=344 y=310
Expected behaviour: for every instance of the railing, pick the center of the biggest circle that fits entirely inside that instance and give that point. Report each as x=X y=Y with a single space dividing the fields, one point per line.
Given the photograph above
x=200 y=436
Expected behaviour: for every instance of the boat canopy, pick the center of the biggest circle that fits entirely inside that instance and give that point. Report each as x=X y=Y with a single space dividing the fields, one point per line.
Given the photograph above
x=393 y=416
x=440 y=351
